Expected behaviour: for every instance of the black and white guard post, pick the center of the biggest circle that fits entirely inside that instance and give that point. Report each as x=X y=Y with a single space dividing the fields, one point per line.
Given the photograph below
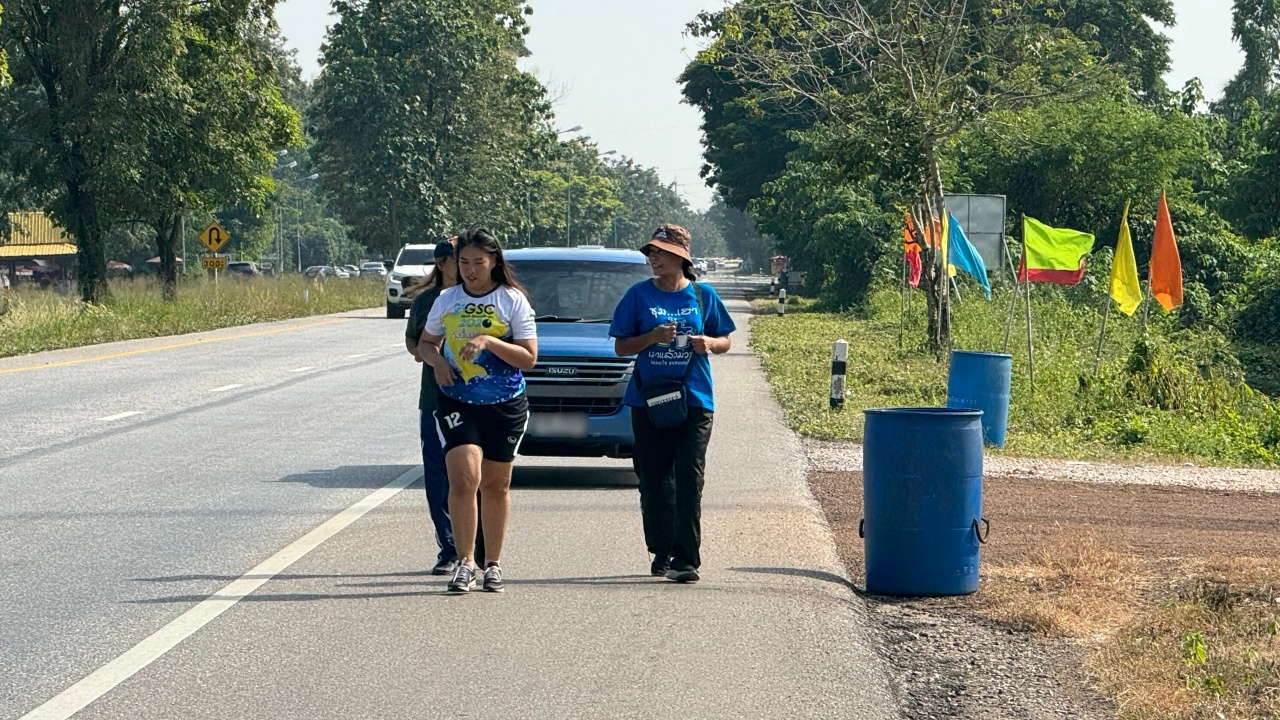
x=782 y=301
x=839 y=362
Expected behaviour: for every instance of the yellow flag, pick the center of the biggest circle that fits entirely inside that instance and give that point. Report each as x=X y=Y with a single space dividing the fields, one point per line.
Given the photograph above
x=1125 y=289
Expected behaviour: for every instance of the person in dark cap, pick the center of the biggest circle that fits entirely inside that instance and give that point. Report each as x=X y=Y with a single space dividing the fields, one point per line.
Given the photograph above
x=672 y=324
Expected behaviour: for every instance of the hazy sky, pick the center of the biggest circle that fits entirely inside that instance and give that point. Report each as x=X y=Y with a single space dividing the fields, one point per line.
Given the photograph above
x=613 y=65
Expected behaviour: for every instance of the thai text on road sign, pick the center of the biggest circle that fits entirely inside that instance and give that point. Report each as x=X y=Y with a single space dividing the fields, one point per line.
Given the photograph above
x=214 y=237
x=210 y=262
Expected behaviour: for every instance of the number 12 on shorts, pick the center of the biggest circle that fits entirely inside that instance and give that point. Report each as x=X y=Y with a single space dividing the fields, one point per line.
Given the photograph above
x=453 y=419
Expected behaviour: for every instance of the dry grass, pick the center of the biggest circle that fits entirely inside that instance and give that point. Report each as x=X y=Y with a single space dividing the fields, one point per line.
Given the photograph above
x=1195 y=639
x=33 y=320
x=1209 y=650
x=1075 y=588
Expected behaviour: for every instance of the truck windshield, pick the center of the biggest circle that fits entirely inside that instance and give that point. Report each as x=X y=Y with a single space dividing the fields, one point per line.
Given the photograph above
x=416 y=257
x=578 y=291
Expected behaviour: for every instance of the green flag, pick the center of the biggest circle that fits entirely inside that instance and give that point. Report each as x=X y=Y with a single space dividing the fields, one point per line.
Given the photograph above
x=1054 y=255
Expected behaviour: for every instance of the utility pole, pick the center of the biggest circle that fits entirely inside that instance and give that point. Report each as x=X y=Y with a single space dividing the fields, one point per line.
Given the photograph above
x=568 y=216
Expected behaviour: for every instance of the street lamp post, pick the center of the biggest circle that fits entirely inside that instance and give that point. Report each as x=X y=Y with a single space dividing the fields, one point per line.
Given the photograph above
x=297 y=229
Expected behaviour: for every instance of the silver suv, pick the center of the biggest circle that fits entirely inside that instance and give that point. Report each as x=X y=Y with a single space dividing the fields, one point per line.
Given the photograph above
x=414 y=265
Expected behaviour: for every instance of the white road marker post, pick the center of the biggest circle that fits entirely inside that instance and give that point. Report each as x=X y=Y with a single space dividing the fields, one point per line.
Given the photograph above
x=782 y=301
x=839 y=363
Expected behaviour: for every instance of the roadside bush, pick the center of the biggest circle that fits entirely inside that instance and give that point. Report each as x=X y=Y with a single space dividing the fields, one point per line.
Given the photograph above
x=1174 y=394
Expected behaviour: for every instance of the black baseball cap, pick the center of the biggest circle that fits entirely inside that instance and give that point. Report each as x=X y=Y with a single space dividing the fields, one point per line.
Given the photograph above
x=444 y=249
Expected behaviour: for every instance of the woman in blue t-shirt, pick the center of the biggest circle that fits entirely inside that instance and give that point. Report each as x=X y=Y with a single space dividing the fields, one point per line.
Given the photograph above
x=672 y=324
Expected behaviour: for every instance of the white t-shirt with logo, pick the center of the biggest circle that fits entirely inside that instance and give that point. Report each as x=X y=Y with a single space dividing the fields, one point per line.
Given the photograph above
x=505 y=314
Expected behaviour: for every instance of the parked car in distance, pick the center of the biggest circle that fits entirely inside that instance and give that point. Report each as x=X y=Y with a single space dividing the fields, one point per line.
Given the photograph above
x=325 y=271
x=414 y=264
x=352 y=270
x=244 y=269
x=575 y=391
x=373 y=269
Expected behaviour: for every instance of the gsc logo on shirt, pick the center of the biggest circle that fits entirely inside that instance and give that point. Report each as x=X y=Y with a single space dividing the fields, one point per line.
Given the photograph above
x=479 y=309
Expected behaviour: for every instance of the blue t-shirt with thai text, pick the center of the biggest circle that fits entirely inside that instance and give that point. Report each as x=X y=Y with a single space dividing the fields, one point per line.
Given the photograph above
x=645 y=307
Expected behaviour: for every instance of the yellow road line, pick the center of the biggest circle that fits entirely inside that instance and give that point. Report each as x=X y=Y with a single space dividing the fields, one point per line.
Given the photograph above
x=174 y=346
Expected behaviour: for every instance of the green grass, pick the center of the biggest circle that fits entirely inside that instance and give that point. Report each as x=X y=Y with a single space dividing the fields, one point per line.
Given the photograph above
x=1168 y=395
x=36 y=320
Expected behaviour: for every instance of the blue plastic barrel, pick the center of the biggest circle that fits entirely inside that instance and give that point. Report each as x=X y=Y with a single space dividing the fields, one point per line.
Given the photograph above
x=922 y=500
x=980 y=381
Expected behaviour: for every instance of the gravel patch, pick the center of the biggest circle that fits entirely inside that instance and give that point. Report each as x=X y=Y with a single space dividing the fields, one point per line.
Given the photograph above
x=828 y=456
x=949 y=665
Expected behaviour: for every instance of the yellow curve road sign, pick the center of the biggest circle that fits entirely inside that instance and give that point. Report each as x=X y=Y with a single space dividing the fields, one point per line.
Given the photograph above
x=213 y=263
x=214 y=237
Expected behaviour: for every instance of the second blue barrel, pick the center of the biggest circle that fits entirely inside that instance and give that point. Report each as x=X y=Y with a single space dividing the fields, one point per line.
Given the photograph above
x=922 y=500
x=980 y=381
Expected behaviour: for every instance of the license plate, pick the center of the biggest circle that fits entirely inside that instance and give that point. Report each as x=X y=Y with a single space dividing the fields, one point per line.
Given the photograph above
x=558 y=425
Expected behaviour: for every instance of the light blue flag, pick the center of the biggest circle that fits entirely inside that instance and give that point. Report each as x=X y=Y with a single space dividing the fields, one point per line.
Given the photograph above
x=964 y=256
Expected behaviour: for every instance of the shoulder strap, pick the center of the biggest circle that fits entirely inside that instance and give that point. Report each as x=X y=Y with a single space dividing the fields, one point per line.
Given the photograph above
x=702 y=328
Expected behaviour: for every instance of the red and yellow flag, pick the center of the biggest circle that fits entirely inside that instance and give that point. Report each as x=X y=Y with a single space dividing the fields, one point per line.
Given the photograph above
x=1166 y=265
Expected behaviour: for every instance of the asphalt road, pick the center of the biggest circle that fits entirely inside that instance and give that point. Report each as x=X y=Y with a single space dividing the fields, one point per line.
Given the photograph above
x=140 y=482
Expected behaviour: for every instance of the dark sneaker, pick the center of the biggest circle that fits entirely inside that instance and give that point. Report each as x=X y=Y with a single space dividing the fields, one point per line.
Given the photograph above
x=658 y=568
x=682 y=572
x=444 y=566
x=464 y=578
x=493 y=578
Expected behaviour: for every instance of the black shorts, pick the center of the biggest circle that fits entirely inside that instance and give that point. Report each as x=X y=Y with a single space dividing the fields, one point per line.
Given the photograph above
x=497 y=429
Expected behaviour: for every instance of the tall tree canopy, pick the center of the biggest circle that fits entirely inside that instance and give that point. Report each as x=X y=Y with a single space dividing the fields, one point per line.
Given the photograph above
x=133 y=109
x=422 y=119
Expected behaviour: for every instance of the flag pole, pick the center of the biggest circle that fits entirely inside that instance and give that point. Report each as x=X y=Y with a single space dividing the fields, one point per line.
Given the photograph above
x=1146 y=305
x=1013 y=310
x=1031 y=351
x=1013 y=298
x=1106 y=312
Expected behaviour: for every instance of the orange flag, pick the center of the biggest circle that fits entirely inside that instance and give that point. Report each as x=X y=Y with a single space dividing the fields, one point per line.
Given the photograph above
x=1166 y=266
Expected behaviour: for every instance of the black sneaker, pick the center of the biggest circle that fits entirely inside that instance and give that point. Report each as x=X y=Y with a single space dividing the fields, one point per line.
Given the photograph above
x=493 y=578
x=444 y=566
x=658 y=568
x=682 y=572
x=464 y=578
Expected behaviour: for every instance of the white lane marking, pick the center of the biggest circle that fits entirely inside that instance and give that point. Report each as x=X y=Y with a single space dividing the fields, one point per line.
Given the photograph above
x=358 y=355
x=225 y=388
x=104 y=679
x=120 y=416
x=302 y=369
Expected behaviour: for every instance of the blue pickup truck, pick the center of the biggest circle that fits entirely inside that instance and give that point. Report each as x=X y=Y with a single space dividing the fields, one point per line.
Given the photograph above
x=575 y=390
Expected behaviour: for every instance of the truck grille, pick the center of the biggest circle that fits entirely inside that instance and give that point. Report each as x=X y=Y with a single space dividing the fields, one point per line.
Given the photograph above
x=588 y=405
x=579 y=371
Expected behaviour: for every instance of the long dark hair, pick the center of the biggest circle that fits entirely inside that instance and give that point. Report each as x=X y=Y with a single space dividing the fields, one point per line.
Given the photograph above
x=687 y=268
x=502 y=273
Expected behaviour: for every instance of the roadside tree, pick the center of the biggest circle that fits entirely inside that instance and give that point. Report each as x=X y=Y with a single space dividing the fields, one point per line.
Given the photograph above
x=224 y=116
x=899 y=79
x=422 y=120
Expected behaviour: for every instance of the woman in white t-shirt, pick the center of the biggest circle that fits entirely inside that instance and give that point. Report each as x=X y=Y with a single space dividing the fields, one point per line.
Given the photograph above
x=478 y=338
